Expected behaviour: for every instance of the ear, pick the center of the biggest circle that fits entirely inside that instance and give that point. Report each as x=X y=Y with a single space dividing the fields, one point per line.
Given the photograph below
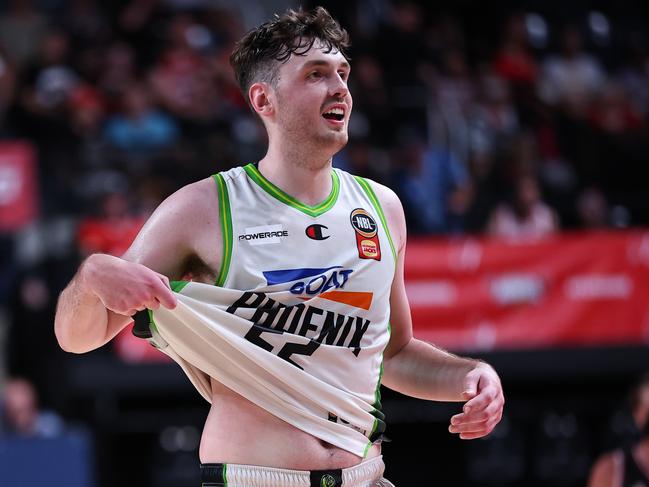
x=261 y=99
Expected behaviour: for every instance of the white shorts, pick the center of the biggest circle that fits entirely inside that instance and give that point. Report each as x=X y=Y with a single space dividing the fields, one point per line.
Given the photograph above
x=366 y=474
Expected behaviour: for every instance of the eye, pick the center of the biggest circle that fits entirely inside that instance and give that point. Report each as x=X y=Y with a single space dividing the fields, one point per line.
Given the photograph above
x=344 y=75
x=315 y=75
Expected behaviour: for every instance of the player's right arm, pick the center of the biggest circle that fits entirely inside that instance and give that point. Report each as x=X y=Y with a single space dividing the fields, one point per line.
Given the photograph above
x=106 y=291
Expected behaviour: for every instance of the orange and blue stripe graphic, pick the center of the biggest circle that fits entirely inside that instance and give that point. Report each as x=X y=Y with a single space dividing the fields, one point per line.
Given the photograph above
x=326 y=283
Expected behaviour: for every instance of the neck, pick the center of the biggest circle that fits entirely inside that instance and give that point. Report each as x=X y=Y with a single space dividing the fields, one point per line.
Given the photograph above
x=303 y=175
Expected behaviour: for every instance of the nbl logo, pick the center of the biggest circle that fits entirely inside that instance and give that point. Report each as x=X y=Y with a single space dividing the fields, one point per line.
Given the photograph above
x=363 y=223
x=367 y=239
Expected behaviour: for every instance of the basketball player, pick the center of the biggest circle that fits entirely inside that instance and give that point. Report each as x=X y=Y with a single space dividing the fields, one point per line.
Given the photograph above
x=628 y=466
x=309 y=313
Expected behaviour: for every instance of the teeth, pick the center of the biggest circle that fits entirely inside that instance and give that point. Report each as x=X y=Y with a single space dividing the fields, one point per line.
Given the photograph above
x=335 y=111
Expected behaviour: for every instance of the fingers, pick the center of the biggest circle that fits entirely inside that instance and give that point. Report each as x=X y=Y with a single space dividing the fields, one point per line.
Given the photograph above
x=471 y=384
x=478 y=416
x=477 y=434
x=484 y=407
x=482 y=400
x=484 y=384
x=130 y=287
x=150 y=297
x=163 y=293
x=135 y=310
x=153 y=304
x=475 y=429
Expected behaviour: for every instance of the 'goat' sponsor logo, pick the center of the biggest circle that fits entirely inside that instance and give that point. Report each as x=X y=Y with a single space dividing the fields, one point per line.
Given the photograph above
x=326 y=283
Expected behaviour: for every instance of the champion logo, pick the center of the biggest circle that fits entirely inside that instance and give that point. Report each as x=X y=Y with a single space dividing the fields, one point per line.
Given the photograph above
x=314 y=232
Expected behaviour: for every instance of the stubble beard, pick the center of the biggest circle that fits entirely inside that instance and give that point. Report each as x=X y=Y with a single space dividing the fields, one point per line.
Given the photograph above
x=310 y=145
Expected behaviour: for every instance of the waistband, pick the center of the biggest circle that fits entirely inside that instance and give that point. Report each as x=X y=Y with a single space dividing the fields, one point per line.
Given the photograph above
x=237 y=475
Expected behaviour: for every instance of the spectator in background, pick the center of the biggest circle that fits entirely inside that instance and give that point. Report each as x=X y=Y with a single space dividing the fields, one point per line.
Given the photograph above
x=494 y=122
x=400 y=45
x=633 y=76
x=86 y=21
x=7 y=86
x=21 y=414
x=526 y=215
x=514 y=60
x=452 y=97
x=434 y=187
x=87 y=111
x=364 y=159
x=612 y=111
x=629 y=465
x=183 y=79
x=515 y=63
x=113 y=230
x=42 y=115
x=572 y=78
x=372 y=106
x=50 y=79
x=119 y=69
x=22 y=27
x=139 y=130
x=592 y=209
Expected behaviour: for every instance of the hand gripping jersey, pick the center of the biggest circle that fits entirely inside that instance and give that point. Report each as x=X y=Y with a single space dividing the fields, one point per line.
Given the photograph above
x=298 y=320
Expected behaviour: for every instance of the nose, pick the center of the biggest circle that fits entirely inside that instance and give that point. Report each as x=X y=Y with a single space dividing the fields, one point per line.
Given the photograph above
x=338 y=87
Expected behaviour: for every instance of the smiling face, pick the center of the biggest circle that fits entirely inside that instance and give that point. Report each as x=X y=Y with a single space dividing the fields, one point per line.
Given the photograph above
x=309 y=105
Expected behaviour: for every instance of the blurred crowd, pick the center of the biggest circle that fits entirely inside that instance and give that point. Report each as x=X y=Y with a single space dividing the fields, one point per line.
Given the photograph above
x=483 y=119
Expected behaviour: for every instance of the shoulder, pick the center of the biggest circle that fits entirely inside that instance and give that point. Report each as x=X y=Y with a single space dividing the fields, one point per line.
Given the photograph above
x=387 y=197
x=193 y=197
x=192 y=204
x=393 y=210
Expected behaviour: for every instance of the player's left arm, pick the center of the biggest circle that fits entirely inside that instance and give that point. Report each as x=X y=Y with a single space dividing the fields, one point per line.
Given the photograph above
x=419 y=369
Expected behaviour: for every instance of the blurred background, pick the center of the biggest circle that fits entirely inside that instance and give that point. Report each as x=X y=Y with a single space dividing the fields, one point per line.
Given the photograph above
x=515 y=133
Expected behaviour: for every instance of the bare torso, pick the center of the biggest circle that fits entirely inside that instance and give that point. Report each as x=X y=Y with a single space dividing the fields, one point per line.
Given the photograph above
x=238 y=431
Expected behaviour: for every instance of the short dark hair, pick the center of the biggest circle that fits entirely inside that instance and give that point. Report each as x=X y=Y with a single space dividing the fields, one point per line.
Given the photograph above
x=259 y=54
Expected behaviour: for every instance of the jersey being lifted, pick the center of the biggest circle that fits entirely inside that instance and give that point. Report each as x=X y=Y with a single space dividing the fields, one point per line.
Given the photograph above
x=298 y=320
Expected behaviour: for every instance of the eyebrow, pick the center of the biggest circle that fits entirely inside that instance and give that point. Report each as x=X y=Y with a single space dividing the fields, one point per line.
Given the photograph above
x=322 y=62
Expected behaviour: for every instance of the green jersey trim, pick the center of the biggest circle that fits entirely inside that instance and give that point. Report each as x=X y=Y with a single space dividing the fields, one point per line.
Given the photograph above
x=281 y=196
x=175 y=286
x=152 y=325
x=377 y=404
x=369 y=443
x=225 y=216
x=377 y=206
x=178 y=286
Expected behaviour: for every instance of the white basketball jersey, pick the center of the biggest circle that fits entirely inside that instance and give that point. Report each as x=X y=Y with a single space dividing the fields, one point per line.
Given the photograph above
x=298 y=320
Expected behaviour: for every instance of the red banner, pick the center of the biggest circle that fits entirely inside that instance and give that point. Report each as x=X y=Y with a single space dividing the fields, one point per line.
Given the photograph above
x=18 y=196
x=571 y=289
